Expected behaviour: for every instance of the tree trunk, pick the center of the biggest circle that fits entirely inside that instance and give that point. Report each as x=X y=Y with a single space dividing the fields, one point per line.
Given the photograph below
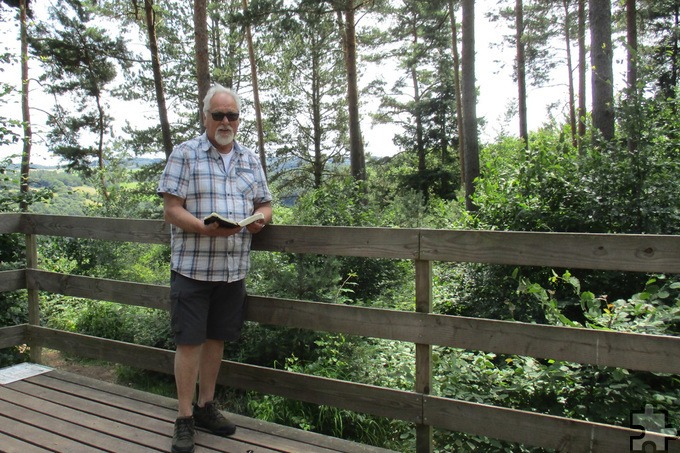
x=201 y=43
x=631 y=76
x=601 y=67
x=157 y=77
x=100 y=148
x=256 y=95
x=469 y=103
x=316 y=118
x=348 y=33
x=521 y=73
x=570 y=73
x=420 y=146
x=25 y=111
x=582 y=109
x=456 y=82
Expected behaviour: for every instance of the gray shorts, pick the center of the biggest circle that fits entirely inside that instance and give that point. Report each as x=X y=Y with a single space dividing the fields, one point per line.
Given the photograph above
x=202 y=310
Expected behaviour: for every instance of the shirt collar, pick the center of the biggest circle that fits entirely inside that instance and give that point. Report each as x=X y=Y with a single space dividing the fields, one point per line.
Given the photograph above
x=208 y=147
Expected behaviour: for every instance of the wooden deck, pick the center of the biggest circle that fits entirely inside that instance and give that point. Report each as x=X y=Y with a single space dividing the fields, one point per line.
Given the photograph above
x=65 y=412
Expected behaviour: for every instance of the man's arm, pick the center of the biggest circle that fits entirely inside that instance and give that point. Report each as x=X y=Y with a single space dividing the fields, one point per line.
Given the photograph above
x=175 y=213
x=266 y=210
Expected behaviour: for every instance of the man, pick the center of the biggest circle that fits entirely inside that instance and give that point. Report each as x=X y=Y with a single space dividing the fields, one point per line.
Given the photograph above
x=210 y=173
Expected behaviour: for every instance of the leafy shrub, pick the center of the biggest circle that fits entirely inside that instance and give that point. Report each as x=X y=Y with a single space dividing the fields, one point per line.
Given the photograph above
x=336 y=359
x=146 y=326
x=586 y=392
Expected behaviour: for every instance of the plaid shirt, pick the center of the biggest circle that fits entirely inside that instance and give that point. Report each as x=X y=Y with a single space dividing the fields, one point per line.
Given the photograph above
x=195 y=172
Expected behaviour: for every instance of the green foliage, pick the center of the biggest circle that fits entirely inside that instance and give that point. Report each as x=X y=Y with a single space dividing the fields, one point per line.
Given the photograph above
x=530 y=190
x=606 y=189
x=13 y=311
x=10 y=196
x=588 y=392
x=336 y=359
x=8 y=126
x=120 y=322
x=655 y=310
x=70 y=196
x=79 y=59
x=345 y=203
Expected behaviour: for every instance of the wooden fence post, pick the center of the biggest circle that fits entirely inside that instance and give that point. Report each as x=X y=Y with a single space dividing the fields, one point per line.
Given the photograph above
x=423 y=351
x=33 y=295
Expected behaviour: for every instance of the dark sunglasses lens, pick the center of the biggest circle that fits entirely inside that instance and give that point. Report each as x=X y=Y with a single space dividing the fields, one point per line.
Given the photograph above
x=219 y=116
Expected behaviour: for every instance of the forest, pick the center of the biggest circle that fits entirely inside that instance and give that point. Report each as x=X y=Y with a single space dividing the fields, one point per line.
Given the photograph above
x=605 y=160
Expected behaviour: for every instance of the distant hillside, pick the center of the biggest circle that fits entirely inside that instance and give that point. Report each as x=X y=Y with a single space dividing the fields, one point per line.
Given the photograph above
x=135 y=162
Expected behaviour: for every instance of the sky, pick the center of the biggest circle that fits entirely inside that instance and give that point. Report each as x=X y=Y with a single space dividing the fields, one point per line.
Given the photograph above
x=497 y=92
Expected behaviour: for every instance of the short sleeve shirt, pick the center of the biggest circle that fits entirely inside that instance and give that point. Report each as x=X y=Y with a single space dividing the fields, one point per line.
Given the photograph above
x=196 y=172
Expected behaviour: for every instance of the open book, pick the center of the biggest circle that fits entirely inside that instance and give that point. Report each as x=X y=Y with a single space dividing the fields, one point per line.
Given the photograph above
x=229 y=223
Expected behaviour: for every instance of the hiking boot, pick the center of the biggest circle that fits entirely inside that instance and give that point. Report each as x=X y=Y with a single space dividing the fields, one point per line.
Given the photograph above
x=210 y=418
x=183 y=438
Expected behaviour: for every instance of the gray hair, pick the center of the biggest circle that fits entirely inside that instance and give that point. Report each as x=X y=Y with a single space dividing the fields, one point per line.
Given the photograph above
x=217 y=88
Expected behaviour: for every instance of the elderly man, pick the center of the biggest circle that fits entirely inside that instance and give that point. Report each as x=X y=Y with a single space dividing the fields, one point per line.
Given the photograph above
x=210 y=173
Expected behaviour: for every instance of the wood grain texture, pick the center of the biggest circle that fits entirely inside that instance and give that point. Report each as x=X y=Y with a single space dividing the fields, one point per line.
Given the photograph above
x=620 y=252
x=63 y=412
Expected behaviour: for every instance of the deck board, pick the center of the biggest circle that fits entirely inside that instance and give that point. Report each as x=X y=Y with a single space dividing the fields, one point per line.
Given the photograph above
x=12 y=444
x=61 y=411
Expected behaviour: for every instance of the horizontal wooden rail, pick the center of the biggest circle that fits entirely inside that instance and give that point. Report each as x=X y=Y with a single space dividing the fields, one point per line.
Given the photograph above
x=10 y=222
x=654 y=353
x=12 y=280
x=616 y=252
x=13 y=336
x=101 y=228
x=139 y=294
x=546 y=431
x=636 y=253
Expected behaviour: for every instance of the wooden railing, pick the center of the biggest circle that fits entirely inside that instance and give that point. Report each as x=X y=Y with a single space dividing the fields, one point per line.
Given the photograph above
x=639 y=253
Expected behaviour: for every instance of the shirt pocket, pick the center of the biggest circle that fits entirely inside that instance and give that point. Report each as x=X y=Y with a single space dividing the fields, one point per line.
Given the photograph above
x=245 y=181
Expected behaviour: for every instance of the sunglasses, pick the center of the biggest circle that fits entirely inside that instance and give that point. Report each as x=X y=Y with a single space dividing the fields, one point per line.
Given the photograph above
x=219 y=116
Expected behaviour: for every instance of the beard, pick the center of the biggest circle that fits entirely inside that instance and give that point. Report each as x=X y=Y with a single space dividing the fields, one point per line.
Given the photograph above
x=224 y=137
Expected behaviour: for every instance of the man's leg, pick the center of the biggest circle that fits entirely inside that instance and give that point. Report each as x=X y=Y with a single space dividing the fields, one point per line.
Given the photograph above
x=187 y=359
x=206 y=413
x=209 y=368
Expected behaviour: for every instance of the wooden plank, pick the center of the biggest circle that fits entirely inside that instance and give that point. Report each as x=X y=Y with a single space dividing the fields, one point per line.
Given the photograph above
x=144 y=357
x=37 y=435
x=33 y=295
x=369 y=399
x=13 y=445
x=10 y=222
x=637 y=253
x=621 y=252
x=146 y=424
x=423 y=370
x=12 y=280
x=546 y=431
x=98 y=417
x=393 y=243
x=655 y=353
x=102 y=228
x=53 y=434
x=13 y=336
x=279 y=436
x=139 y=294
